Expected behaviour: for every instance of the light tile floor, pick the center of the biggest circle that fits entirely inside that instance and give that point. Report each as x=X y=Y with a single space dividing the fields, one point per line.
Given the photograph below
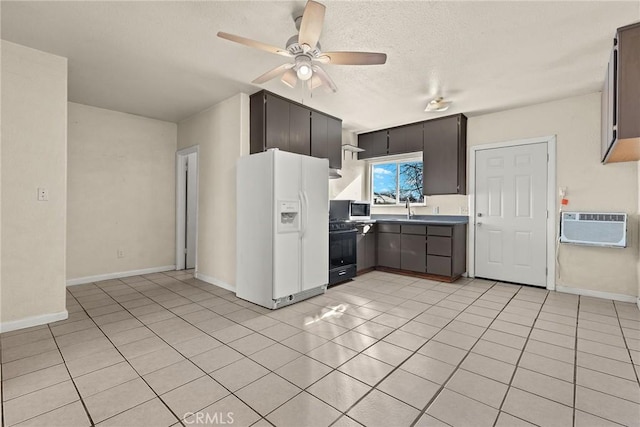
x=384 y=350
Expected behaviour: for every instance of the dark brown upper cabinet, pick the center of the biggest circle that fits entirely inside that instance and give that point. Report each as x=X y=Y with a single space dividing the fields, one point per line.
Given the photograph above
x=326 y=138
x=444 y=158
x=276 y=122
x=405 y=139
x=374 y=144
x=299 y=130
x=621 y=98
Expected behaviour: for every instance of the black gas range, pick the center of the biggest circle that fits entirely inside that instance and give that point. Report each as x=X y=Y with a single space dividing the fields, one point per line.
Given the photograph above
x=342 y=251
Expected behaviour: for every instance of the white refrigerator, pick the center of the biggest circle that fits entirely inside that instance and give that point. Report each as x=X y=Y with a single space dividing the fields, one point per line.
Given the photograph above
x=282 y=228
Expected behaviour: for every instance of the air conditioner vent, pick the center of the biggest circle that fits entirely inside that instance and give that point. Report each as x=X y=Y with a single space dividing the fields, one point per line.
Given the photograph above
x=594 y=229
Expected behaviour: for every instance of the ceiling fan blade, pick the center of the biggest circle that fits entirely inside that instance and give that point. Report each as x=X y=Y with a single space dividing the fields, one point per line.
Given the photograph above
x=290 y=78
x=311 y=24
x=353 y=58
x=324 y=78
x=271 y=74
x=253 y=43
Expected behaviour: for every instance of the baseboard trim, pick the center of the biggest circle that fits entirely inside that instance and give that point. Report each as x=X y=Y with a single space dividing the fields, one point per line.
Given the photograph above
x=214 y=281
x=28 y=322
x=598 y=294
x=118 y=275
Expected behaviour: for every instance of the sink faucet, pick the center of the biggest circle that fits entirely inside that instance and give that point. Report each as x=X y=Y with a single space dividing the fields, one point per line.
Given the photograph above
x=408 y=206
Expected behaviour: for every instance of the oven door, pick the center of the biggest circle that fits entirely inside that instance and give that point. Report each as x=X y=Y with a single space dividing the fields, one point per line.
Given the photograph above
x=342 y=248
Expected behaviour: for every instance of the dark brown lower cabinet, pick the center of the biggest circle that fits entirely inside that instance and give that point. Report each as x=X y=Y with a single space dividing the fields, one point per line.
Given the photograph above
x=413 y=256
x=366 y=247
x=447 y=250
x=389 y=249
x=438 y=250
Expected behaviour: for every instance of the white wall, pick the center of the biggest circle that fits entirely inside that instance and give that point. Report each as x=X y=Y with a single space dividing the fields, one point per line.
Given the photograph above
x=121 y=193
x=34 y=148
x=353 y=182
x=591 y=186
x=222 y=134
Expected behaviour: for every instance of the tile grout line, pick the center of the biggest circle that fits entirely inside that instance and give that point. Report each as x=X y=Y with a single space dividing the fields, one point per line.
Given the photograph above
x=75 y=386
x=374 y=387
x=127 y=361
x=575 y=361
x=443 y=386
x=624 y=338
x=504 y=398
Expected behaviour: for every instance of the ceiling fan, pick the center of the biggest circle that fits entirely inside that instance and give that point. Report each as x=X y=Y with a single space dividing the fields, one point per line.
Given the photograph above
x=305 y=50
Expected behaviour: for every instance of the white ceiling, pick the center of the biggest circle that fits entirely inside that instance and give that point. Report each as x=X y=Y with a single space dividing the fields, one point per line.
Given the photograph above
x=163 y=59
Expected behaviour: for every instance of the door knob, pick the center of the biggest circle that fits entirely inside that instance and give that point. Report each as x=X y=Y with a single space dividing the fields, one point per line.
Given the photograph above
x=479 y=214
x=478 y=224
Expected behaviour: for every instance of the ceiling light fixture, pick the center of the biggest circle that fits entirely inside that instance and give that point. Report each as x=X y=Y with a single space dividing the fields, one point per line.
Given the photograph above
x=303 y=67
x=437 y=105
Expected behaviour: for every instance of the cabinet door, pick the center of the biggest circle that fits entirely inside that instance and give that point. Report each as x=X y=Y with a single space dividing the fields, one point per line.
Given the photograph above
x=370 y=248
x=440 y=156
x=413 y=138
x=277 y=123
x=440 y=265
x=397 y=138
x=299 y=129
x=414 y=253
x=334 y=142
x=319 y=147
x=374 y=144
x=389 y=250
x=361 y=249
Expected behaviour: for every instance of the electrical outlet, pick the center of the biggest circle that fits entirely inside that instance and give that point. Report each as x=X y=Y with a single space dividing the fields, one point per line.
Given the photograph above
x=120 y=253
x=43 y=194
x=435 y=210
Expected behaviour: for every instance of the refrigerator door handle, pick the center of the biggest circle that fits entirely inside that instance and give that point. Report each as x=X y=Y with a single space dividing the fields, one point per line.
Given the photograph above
x=305 y=208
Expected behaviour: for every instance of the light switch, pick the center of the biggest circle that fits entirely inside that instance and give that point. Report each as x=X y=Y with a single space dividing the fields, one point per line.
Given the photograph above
x=43 y=194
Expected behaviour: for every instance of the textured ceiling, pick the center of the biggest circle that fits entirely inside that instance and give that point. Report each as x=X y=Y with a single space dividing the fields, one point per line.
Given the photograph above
x=163 y=59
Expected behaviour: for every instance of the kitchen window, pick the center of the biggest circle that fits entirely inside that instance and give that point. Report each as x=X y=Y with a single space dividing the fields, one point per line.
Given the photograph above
x=393 y=183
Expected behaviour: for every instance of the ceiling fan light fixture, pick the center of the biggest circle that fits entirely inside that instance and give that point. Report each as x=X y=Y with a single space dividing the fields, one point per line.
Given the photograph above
x=303 y=67
x=437 y=105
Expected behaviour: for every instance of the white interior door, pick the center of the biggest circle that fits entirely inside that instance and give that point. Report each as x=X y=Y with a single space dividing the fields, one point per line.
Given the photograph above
x=511 y=214
x=191 y=210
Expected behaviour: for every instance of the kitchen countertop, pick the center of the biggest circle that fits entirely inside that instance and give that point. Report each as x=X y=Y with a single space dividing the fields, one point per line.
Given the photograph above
x=416 y=219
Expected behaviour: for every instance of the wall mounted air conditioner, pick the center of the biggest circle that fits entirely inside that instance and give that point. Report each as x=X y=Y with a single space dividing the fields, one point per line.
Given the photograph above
x=594 y=229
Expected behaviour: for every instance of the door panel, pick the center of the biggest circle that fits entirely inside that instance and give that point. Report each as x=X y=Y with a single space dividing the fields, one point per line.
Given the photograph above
x=299 y=130
x=286 y=244
x=315 y=228
x=511 y=209
x=277 y=123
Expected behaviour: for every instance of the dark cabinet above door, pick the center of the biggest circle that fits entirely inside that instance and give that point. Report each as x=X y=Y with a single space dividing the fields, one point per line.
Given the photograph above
x=621 y=98
x=276 y=122
x=444 y=158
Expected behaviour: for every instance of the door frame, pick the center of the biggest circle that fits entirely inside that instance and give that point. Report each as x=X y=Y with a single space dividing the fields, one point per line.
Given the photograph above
x=181 y=201
x=551 y=201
